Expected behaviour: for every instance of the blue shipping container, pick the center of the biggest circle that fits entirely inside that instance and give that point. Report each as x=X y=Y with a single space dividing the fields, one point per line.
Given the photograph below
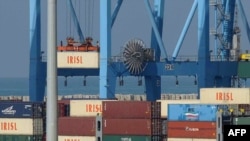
x=192 y=112
x=21 y=109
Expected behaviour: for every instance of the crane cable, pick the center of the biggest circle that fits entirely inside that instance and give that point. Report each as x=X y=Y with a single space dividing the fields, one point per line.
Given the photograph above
x=88 y=17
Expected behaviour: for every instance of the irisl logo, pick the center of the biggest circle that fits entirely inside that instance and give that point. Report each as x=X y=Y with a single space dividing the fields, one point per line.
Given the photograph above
x=9 y=111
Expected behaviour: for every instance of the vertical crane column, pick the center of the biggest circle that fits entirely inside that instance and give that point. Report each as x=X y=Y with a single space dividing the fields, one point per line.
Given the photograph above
x=107 y=78
x=204 y=77
x=228 y=27
x=37 y=68
x=153 y=83
x=228 y=32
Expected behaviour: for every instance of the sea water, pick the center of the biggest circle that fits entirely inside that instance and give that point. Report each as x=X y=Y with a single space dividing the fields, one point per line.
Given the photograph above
x=75 y=85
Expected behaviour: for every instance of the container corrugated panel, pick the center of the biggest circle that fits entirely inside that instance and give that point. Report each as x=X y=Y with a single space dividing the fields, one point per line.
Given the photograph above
x=144 y=127
x=164 y=105
x=20 y=138
x=21 y=126
x=225 y=95
x=191 y=129
x=192 y=112
x=241 y=121
x=77 y=126
x=76 y=138
x=85 y=107
x=131 y=109
x=130 y=138
x=21 y=109
x=78 y=59
x=189 y=139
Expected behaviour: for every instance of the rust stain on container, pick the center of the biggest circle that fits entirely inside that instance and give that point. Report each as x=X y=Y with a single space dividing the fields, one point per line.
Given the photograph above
x=131 y=109
x=191 y=129
x=76 y=126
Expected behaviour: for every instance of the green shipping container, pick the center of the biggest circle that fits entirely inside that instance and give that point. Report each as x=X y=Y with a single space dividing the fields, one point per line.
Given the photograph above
x=241 y=121
x=244 y=69
x=130 y=138
x=20 y=138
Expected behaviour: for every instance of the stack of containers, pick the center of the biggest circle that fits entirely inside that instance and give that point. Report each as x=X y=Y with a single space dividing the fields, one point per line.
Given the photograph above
x=131 y=120
x=192 y=122
x=80 y=125
x=164 y=110
x=21 y=121
x=62 y=111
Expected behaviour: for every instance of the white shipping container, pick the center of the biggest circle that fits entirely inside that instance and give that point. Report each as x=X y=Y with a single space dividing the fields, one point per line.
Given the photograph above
x=164 y=105
x=77 y=59
x=85 y=108
x=225 y=95
x=76 y=138
x=21 y=126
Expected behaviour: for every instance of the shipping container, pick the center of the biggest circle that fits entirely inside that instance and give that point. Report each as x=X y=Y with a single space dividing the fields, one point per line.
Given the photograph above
x=241 y=121
x=189 y=139
x=76 y=138
x=131 y=109
x=21 y=126
x=21 y=138
x=85 y=108
x=204 y=139
x=191 y=129
x=180 y=139
x=144 y=127
x=21 y=109
x=77 y=59
x=192 y=112
x=77 y=126
x=243 y=69
x=164 y=105
x=65 y=101
x=225 y=95
x=61 y=109
x=130 y=138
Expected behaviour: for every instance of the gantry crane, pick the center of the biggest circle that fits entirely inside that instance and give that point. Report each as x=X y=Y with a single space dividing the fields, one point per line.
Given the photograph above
x=150 y=63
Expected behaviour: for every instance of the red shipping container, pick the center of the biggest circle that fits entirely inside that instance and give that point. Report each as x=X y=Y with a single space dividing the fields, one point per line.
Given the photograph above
x=77 y=126
x=191 y=129
x=144 y=127
x=65 y=101
x=131 y=109
x=61 y=109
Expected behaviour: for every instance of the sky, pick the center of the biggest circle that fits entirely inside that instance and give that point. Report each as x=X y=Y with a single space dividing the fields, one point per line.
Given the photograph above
x=132 y=22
